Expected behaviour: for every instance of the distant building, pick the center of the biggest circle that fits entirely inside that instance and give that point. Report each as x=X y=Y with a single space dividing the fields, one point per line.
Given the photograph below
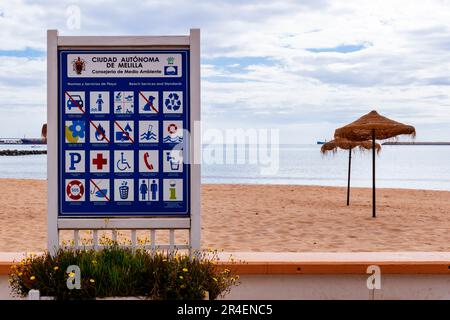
x=41 y=140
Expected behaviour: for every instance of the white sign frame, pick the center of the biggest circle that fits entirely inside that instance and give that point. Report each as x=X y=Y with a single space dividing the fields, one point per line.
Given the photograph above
x=55 y=224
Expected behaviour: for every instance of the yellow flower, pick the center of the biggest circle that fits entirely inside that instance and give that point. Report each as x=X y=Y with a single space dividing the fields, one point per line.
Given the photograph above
x=71 y=275
x=32 y=277
x=185 y=269
x=215 y=279
x=20 y=274
x=55 y=268
x=94 y=262
x=183 y=286
x=181 y=277
x=91 y=280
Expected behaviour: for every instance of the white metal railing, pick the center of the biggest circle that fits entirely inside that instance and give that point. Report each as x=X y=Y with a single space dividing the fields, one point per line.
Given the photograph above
x=132 y=243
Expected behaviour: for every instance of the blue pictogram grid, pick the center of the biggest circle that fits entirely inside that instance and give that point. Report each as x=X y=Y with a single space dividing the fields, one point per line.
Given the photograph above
x=111 y=205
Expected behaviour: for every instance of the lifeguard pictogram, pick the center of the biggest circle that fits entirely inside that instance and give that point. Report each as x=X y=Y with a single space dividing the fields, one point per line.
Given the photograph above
x=75 y=190
x=173 y=132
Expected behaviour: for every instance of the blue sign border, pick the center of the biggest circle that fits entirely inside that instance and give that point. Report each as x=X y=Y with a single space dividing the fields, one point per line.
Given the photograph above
x=114 y=208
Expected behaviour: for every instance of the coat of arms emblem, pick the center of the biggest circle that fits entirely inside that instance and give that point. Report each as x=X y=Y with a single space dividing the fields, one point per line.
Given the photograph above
x=79 y=65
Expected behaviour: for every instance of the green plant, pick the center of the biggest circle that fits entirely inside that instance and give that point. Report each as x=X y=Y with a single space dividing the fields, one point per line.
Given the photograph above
x=115 y=271
x=177 y=277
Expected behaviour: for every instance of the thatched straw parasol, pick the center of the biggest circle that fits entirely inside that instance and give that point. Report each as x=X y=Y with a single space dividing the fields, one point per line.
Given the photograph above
x=373 y=126
x=365 y=127
x=334 y=145
x=340 y=143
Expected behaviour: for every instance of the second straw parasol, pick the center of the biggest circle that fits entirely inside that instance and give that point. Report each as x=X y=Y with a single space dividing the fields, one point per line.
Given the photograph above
x=340 y=143
x=373 y=126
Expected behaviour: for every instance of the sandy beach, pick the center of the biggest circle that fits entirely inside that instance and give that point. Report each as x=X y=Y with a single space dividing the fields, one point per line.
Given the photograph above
x=270 y=218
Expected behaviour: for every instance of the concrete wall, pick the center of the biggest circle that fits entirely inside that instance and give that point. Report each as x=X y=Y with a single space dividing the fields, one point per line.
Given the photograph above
x=327 y=287
x=342 y=287
x=4 y=288
x=269 y=275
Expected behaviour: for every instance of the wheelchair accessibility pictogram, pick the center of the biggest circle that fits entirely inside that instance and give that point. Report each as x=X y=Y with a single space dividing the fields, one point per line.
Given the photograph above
x=123 y=161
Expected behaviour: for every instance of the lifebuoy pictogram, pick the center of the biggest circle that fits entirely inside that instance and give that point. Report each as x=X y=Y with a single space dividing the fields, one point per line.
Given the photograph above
x=172 y=128
x=76 y=194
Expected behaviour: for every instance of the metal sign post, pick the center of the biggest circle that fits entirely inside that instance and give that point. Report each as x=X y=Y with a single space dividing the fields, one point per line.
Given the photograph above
x=123 y=136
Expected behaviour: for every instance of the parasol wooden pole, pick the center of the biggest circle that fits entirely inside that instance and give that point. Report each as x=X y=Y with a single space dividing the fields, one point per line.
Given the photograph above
x=349 y=169
x=374 y=214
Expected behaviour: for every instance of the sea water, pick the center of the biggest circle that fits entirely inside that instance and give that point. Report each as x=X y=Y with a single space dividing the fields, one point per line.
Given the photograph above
x=23 y=167
x=416 y=167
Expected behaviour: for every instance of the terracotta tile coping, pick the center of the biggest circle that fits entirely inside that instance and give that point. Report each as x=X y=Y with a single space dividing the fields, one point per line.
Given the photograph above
x=286 y=263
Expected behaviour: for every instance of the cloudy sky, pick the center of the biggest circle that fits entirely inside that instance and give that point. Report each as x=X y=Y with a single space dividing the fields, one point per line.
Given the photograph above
x=304 y=67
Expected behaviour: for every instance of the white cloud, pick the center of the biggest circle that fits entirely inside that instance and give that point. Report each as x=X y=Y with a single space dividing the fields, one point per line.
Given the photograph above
x=403 y=71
